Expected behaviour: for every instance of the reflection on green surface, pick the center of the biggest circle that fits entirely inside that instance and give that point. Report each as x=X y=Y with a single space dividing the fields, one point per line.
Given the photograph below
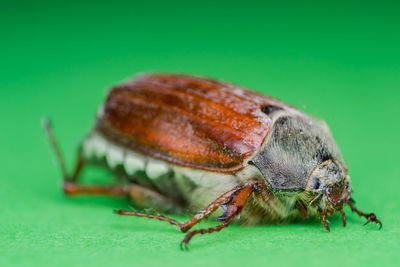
x=338 y=61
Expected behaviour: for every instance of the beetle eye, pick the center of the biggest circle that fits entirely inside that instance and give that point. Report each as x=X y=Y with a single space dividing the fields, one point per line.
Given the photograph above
x=268 y=109
x=316 y=183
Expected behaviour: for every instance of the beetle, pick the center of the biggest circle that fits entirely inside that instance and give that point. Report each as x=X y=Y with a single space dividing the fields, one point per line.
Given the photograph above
x=180 y=143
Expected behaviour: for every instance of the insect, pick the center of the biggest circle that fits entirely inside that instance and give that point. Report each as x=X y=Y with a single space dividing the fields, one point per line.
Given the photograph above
x=183 y=144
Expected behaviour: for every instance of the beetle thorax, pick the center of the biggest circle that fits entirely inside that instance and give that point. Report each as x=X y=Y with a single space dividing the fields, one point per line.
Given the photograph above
x=292 y=151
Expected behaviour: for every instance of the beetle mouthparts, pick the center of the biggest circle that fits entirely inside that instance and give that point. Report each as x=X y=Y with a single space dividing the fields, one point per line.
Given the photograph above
x=338 y=193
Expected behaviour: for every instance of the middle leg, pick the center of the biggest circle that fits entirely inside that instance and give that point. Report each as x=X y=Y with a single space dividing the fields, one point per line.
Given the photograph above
x=183 y=227
x=232 y=208
x=232 y=203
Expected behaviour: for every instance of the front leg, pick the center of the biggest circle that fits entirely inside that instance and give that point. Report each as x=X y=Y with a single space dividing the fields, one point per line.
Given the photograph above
x=324 y=220
x=371 y=217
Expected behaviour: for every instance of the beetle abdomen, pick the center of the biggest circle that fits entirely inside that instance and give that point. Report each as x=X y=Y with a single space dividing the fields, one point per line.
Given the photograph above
x=187 y=121
x=187 y=187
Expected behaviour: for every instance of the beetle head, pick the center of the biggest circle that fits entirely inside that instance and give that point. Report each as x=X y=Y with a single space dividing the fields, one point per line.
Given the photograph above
x=329 y=185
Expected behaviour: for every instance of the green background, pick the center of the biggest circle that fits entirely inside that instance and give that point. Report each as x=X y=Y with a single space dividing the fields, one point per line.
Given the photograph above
x=339 y=61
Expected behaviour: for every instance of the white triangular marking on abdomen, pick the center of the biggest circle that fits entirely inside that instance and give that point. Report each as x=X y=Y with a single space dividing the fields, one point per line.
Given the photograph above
x=133 y=162
x=99 y=146
x=88 y=148
x=115 y=155
x=156 y=168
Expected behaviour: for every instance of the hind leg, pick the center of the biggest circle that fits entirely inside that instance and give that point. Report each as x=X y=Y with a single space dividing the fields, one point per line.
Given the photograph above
x=70 y=185
x=73 y=189
x=80 y=163
x=140 y=195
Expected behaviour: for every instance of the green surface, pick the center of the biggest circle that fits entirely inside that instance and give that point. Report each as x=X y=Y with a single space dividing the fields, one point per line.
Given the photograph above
x=338 y=61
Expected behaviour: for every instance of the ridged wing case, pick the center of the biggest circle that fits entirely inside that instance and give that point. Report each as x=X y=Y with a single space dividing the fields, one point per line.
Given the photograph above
x=188 y=121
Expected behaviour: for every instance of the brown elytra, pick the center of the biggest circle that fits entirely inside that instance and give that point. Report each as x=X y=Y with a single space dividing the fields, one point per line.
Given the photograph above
x=188 y=121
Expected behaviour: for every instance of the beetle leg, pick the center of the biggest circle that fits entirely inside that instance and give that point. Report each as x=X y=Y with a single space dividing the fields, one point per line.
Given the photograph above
x=343 y=217
x=371 y=217
x=56 y=148
x=232 y=202
x=53 y=142
x=210 y=230
x=80 y=163
x=324 y=221
x=150 y=216
x=302 y=208
x=232 y=208
x=71 y=189
x=219 y=202
x=139 y=195
x=183 y=227
x=145 y=198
